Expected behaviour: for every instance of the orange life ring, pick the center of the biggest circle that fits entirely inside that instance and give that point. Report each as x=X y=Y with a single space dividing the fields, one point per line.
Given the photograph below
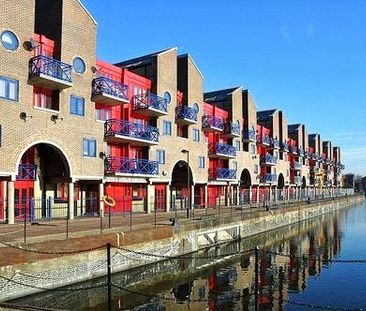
x=109 y=201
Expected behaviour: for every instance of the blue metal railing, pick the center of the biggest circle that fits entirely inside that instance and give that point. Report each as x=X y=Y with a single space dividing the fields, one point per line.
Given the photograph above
x=211 y=121
x=308 y=154
x=284 y=146
x=270 y=178
x=111 y=87
x=27 y=172
x=51 y=67
x=264 y=140
x=249 y=135
x=232 y=128
x=296 y=165
x=298 y=180
x=124 y=128
x=293 y=149
x=114 y=165
x=275 y=143
x=219 y=148
x=185 y=112
x=222 y=173
x=300 y=152
x=150 y=100
x=269 y=159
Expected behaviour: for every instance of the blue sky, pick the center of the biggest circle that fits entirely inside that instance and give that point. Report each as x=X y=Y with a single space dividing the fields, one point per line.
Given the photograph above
x=307 y=58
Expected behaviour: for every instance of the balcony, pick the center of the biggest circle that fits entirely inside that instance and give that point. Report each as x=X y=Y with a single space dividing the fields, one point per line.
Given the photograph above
x=222 y=174
x=120 y=131
x=232 y=130
x=150 y=105
x=185 y=115
x=249 y=136
x=319 y=159
x=27 y=172
x=298 y=180
x=275 y=143
x=308 y=154
x=269 y=178
x=284 y=146
x=264 y=140
x=296 y=166
x=219 y=150
x=293 y=149
x=314 y=156
x=212 y=124
x=269 y=160
x=49 y=73
x=301 y=152
x=130 y=167
x=109 y=92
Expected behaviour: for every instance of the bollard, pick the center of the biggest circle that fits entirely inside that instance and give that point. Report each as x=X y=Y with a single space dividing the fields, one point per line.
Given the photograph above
x=155 y=216
x=131 y=218
x=256 y=277
x=67 y=226
x=25 y=224
x=101 y=222
x=109 y=274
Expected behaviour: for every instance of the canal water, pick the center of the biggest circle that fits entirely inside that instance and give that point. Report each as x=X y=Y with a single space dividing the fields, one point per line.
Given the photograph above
x=319 y=264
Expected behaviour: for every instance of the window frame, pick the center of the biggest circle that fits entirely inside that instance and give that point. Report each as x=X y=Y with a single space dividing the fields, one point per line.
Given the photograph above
x=83 y=105
x=87 y=143
x=8 y=81
x=201 y=162
x=196 y=135
x=15 y=37
x=165 y=122
x=159 y=159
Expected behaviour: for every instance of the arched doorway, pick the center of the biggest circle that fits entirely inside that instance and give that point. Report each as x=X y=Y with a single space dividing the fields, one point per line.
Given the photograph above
x=181 y=185
x=245 y=184
x=41 y=186
x=280 y=187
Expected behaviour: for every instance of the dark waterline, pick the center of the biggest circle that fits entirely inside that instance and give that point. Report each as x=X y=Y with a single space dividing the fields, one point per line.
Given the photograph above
x=303 y=278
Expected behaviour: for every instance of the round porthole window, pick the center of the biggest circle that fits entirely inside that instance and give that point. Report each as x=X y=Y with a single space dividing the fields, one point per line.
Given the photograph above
x=79 y=65
x=195 y=107
x=9 y=40
x=167 y=97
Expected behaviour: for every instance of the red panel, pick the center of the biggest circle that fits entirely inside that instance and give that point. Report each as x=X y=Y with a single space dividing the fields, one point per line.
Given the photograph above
x=46 y=46
x=122 y=193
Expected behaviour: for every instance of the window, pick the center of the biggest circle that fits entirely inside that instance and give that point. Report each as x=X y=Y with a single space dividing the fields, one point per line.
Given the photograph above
x=252 y=149
x=196 y=135
x=237 y=145
x=89 y=147
x=235 y=165
x=77 y=105
x=255 y=168
x=167 y=128
x=9 y=88
x=46 y=99
x=160 y=156
x=201 y=162
x=79 y=65
x=167 y=97
x=195 y=107
x=274 y=170
x=9 y=40
x=276 y=154
x=103 y=114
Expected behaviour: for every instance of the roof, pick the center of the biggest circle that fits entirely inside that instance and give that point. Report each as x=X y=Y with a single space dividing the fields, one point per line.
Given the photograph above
x=87 y=12
x=292 y=128
x=312 y=136
x=265 y=115
x=219 y=95
x=142 y=59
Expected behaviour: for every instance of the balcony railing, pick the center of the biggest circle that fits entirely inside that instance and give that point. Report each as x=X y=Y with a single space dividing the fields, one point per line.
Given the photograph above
x=293 y=149
x=249 y=135
x=269 y=178
x=150 y=104
x=212 y=124
x=296 y=165
x=114 y=127
x=269 y=159
x=275 y=143
x=301 y=152
x=314 y=156
x=232 y=129
x=185 y=115
x=49 y=72
x=284 y=146
x=108 y=91
x=222 y=173
x=223 y=150
x=27 y=172
x=117 y=165
x=308 y=154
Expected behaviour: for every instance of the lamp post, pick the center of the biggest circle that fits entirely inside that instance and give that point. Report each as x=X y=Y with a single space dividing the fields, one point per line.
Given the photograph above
x=188 y=182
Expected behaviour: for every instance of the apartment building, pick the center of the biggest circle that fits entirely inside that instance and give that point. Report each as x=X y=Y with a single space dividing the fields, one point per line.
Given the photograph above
x=74 y=128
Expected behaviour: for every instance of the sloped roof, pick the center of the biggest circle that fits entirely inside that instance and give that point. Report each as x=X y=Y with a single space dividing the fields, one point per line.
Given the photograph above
x=312 y=136
x=142 y=59
x=220 y=94
x=293 y=127
x=265 y=115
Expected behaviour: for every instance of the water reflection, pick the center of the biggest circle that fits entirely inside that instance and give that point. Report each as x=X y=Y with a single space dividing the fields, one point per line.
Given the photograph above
x=290 y=257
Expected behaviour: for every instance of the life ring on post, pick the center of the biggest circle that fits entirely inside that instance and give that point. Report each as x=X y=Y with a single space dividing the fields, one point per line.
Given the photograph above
x=109 y=201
